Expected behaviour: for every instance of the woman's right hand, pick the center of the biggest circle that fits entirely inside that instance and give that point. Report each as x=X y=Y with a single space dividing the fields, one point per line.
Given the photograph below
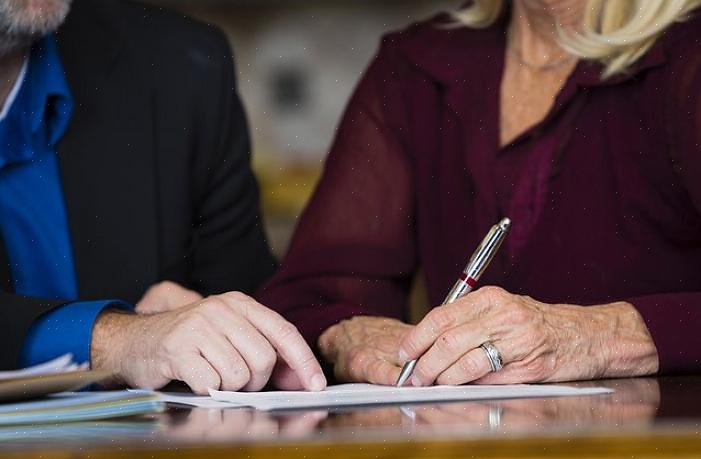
x=364 y=349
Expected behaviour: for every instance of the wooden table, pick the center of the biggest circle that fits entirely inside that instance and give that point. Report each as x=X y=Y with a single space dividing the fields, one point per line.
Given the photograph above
x=647 y=417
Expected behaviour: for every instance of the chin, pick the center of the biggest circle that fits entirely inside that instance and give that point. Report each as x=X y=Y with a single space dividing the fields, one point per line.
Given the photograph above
x=33 y=17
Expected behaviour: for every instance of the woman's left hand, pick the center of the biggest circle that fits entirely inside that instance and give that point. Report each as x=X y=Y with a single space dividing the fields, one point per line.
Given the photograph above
x=537 y=341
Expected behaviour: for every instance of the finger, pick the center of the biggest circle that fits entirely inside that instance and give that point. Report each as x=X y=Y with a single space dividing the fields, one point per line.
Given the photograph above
x=447 y=350
x=284 y=377
x=380 y=371
x=471 y=366
x=195 y=371
x=226 y=360
x=514 y=373
x=256 y=351
x=287 y=341
x=443 y=318
x=365 y=366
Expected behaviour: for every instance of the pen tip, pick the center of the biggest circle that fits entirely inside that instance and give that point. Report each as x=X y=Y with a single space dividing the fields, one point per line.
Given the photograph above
x=505 y=223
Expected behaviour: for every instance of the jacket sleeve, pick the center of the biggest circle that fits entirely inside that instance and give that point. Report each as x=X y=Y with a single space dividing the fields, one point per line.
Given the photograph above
x=230 y=248
x=18 y=313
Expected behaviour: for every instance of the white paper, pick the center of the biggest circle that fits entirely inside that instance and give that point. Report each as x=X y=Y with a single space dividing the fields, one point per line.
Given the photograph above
x=184 y=398
x=58 y=365
x=78 y=406
x=369 y=394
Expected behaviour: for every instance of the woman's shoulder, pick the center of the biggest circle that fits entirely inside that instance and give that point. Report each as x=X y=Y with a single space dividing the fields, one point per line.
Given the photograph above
x=683 y=39
x=441 y=47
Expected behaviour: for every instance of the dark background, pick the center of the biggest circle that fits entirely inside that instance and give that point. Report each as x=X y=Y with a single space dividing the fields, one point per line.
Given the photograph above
x=297 y=63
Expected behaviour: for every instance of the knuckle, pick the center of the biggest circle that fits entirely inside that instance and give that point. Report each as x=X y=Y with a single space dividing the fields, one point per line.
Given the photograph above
x=358 y=359
x=212 y=305
x=519 y=313
x=237 y=297
x=493 y=291
x=197 y=320
x=236 y=378
x=441 y=318
x=264 y=363
x=287 y=331
x=449 y=342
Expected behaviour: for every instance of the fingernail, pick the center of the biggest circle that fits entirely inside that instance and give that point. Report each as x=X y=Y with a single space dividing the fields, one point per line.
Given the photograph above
x=415 y=381
x=318 y=382
x=403 y=356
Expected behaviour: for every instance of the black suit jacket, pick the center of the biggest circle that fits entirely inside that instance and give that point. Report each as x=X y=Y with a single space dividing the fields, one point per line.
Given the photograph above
x=154 y=165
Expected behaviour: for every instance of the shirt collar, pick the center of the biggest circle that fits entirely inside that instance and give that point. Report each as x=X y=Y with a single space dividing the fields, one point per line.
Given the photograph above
x=450 y=54
x=50 y=97
x=42 y=109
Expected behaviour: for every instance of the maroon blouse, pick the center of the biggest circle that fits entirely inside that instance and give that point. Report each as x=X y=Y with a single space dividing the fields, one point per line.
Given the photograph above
x=604 y=193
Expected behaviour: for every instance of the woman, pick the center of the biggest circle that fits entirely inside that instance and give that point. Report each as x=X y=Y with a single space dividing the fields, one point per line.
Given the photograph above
x=579 y=120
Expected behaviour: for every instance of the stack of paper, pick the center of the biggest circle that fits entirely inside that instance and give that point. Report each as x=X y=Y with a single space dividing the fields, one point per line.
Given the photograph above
x=58 y=375
x=61 y=364
x=346 y=395
x=80 y=406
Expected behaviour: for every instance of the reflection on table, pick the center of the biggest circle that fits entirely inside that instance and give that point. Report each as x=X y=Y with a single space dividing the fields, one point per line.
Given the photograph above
x=651 y=410
x=634 y=403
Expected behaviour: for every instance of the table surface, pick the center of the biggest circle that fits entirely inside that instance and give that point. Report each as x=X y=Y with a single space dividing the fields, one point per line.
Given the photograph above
x=644 y=417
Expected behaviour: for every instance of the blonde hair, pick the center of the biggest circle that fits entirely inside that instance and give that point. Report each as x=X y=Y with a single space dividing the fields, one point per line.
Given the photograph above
x=614 y=32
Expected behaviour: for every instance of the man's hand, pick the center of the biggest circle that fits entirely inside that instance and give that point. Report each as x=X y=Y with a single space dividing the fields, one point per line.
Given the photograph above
x=166 y=296
x=364 y=349
x=227 y=342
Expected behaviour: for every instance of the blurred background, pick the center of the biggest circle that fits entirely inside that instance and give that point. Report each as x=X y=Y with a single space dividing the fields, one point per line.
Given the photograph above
x=297 y=64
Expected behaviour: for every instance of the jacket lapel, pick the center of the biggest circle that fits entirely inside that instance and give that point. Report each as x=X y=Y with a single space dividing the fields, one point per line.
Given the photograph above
x=106 y=157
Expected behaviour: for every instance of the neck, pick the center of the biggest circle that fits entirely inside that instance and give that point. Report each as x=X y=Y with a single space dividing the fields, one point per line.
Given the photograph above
x=534 y=25
x=10 y=66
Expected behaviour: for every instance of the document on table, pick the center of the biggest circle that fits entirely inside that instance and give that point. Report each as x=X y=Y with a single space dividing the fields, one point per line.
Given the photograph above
x=61 y=364
x=346 y=395
x=79 y=406
x=58 y=375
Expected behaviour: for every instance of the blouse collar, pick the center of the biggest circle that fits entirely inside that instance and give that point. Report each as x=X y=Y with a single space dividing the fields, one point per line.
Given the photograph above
x=450 y=54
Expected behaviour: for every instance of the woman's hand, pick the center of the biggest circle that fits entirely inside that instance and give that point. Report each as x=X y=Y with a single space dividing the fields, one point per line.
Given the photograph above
x=364 y=349
x=166 y=296
x=537 y=341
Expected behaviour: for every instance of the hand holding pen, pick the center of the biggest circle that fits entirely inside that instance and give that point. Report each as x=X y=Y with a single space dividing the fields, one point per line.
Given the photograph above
x=468 y=280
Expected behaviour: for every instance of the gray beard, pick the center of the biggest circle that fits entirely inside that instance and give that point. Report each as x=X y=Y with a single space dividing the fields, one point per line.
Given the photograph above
x=24 y=21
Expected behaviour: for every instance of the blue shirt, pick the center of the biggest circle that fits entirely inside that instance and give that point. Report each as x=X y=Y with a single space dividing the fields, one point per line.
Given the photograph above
x=32 y=212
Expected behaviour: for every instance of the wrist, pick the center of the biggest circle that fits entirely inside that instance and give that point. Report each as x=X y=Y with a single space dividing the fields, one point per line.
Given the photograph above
x=110 y=337
x=627 y=346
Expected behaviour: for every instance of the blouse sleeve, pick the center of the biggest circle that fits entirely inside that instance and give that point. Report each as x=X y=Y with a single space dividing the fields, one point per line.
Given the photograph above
x=353 y=252
x=674 y=319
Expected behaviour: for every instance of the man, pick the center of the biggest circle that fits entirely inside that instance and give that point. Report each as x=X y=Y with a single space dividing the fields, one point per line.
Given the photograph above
x=124 y=160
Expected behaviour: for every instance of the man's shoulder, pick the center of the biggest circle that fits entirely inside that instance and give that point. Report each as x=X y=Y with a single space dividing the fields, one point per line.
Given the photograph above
x=164 y=35
x=164 y=27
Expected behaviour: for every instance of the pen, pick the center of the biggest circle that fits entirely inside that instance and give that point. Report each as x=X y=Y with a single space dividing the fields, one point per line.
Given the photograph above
x=479 y=261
